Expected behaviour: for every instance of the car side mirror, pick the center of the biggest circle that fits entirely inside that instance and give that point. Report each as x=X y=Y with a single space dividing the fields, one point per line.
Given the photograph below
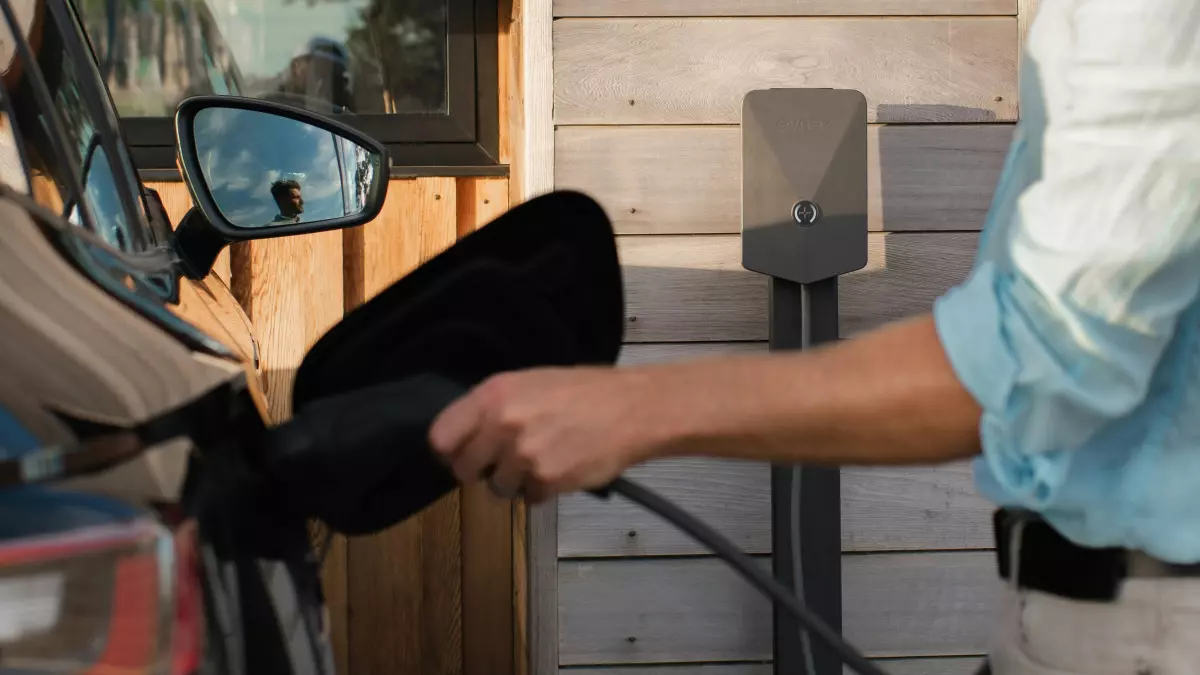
x=258 y=169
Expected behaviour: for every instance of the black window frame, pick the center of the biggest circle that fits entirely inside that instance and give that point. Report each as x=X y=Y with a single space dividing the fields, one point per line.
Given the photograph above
x=462 y=140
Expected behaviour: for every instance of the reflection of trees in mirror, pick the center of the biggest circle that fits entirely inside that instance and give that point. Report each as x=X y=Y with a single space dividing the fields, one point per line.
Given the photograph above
x=264 y=169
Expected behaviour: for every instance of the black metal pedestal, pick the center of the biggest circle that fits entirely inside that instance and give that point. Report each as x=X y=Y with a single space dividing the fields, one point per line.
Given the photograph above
x=801 y=316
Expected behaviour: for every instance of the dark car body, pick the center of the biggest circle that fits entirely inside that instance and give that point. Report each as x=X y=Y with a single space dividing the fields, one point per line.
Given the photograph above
x=113 y=362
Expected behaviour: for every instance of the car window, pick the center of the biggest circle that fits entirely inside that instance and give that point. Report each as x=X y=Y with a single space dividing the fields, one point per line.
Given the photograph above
x=12 y=169
x=103 y=209
x=154 y=53
x=12 y=166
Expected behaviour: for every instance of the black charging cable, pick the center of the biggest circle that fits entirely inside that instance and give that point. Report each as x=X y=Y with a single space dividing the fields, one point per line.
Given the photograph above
x=744 y=565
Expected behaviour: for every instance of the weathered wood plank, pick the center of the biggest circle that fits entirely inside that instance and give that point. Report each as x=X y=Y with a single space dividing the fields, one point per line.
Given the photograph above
x=405 y=583
x=696 y=71
x=694 y=289
x=968 y=665
x=544 y=605
x=1026 y=15
x=533 y=133
x=687 y=179
x=634 y=354
x=696 y=609
x=615 y=8
x=531 y=33
x=883 y=509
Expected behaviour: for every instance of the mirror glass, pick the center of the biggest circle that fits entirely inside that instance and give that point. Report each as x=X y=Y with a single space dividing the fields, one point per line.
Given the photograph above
x=266 y=170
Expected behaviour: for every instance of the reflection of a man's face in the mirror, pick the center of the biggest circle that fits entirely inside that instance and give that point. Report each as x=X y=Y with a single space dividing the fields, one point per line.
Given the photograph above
x=291 y=203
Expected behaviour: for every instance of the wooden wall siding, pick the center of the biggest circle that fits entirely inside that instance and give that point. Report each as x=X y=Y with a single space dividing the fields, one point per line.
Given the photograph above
x=883 y=509
x=531 y=103
x=694 y=289
x=177 y=201
x=1026 y=13
x=644 y=611
x=408 y=577
x=696 y=71
x=687 y=179
x=426 y=596
x=647 y=98
x=610 y=8
x=935 y=666
x=487 y=523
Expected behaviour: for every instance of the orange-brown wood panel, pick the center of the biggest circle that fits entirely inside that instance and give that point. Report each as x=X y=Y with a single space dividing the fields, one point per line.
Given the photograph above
x=487 y=581
x=434 y=595
x=508 y=42
x=177 y=201
x=291 y=288
x=520 y=600
x=405 y=583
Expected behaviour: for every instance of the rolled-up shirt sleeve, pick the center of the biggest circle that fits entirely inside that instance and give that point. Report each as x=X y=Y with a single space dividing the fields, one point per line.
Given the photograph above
x=1058 y=331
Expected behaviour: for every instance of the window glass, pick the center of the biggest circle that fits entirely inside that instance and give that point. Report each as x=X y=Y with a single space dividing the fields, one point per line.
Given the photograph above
x=361 y=56
x=12 y=169
x=49 y=176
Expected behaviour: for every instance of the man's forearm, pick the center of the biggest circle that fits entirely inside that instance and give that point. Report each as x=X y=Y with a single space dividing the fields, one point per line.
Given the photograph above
x=889 y=397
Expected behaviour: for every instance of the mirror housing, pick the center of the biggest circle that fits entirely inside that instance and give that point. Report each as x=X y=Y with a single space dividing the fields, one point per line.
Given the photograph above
x=258 y=169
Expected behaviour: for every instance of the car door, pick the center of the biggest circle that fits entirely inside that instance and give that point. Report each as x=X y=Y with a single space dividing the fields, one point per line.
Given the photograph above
x=208 y=304
x=63 y=140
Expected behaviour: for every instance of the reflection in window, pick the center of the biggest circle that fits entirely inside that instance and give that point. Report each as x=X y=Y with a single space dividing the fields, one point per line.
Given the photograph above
x=50 y=178
x=103 y=198
x=12 y=169
x=362 y=56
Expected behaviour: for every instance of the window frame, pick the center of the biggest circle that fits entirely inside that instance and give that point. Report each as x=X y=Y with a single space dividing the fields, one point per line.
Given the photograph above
x=464 y=139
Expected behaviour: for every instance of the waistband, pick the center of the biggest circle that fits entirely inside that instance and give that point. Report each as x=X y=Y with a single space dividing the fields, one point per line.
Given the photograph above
x=1048 y=562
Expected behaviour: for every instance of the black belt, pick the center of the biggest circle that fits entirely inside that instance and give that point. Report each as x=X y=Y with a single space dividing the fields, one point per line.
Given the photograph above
x=1051 y=563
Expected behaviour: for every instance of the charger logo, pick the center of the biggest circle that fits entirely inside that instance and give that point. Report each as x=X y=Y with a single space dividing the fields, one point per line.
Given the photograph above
x=791 y=125
x=806 y=212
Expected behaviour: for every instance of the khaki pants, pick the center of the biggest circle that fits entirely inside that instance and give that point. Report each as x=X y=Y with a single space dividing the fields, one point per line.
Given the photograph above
x=1152 y=628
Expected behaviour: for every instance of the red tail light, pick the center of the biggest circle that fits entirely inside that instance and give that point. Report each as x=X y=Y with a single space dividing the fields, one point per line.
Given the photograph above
x=114 y=599
x=187 y=644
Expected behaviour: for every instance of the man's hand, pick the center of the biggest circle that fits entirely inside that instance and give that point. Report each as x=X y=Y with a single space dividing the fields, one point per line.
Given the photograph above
x=545 y=431
x=889 y=397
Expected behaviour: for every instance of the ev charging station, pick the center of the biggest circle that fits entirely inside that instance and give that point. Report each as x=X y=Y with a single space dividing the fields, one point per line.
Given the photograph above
x=804 y=223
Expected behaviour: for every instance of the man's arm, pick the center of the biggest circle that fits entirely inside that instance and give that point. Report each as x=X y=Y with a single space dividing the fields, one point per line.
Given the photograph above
x=889 y=397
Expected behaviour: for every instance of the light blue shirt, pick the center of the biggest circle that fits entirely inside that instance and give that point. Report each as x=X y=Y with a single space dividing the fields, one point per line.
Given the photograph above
x=1078 y=331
